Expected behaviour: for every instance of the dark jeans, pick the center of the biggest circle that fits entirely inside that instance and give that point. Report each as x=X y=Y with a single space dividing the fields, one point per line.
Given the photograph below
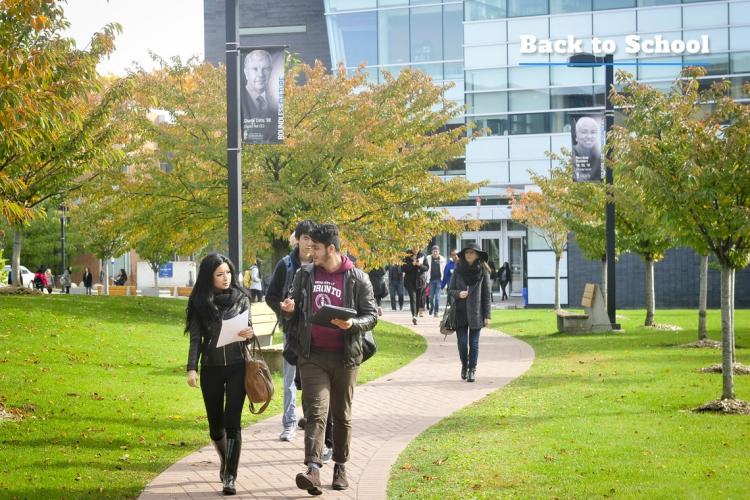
x=503 y=285
x=416 y=300
x=327 y=385
x=256 y=295
x=223 y=414
x=468 y=345
x=396 y=288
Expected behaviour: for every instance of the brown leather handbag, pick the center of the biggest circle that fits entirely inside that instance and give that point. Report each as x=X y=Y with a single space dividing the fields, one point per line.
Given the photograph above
x=258 y=383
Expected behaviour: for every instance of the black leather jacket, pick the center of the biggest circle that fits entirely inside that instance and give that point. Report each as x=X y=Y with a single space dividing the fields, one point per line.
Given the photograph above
x=203 y=343
x=357 y=295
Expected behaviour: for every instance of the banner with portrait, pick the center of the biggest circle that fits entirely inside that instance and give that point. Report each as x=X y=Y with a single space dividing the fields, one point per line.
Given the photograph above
x=262 y=94
x=587 y=137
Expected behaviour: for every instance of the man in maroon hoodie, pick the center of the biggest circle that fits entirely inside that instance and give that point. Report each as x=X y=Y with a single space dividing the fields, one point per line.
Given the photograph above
x=328 y=356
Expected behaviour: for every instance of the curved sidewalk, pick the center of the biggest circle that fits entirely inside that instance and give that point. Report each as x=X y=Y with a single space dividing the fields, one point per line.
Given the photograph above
x=387 y=414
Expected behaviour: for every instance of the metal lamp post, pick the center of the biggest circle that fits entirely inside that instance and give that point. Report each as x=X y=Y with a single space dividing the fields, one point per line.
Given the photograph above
x=63 y=209
x=233 y=132
x=586 y=60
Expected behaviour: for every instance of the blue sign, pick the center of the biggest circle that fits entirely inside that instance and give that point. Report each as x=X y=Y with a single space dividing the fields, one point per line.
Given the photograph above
x=166 y=270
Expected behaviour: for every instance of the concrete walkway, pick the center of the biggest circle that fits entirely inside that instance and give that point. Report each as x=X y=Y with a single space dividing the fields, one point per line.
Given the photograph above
x=387 y=414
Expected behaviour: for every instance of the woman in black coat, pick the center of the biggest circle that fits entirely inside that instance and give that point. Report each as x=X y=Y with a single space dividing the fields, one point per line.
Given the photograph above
x=217 y=296
x=414 y=267
x=470 y=289
x=88 y=280
x=379 y=290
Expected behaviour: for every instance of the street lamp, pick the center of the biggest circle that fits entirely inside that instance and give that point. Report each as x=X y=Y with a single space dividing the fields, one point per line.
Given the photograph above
x=585 y=60
x=63 y=209
x=232 y=51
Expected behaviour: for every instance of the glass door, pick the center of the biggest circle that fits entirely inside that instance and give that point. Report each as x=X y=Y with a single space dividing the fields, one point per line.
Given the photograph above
x=492 y=247
x=516 y=265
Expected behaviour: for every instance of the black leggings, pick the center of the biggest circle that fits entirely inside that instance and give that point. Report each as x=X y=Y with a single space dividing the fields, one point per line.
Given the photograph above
x=416 y=300
x=216 y=381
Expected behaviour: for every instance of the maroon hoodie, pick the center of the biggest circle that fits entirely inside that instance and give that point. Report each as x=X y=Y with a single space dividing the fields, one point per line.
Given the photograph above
x=328 y=289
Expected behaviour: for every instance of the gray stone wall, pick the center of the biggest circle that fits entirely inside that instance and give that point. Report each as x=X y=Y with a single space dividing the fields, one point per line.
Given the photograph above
x=311 y=45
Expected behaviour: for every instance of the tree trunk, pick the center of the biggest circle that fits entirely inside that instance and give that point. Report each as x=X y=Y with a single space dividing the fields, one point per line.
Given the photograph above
x=105 y=291
x=650 y=292
x=732 y=280
x=557 y=282
x=727 y=367
x=703 y=299
x=156 y=278
x=604 y=280
x=15 y=261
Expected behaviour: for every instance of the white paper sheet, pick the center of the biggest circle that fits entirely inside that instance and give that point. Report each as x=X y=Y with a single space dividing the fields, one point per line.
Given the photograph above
x=231 y=327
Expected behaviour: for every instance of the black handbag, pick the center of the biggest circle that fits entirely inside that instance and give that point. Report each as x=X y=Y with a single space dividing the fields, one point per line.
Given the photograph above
x=369 y=347
x=448 y=322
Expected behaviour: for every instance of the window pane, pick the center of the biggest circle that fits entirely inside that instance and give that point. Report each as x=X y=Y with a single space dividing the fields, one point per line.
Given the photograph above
x=717 y=39
x=578 y=26
x=659 y=20
x=613 y=4
x=528 y=100
x=394 y=36
x=453 y=32
x=480 y=33
x=490 y=102
x=648 y=68
x=738 y=84
x=517 y=8
x=572 y=97
x=560 y=6
x=563 y=75
x=491 y=125
x=741 y=62
x=334 y=5
x=650 y=3
x=704 y=15
x=614 y=23
x=739 y=13
x=715 y=64
x=355 y=38
x=390 y=3
x=434 y=70
x=453 y=71
x=477 y=10
x=486 y=56
x=518 y=27
x=739 y=38
x=530 y=123
x=486 y=79
x=426 y=41
x=528 y=77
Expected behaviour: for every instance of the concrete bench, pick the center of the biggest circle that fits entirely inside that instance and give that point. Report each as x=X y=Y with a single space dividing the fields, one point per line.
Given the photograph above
x=264 y=322
x=273 y=356
x=594 y=318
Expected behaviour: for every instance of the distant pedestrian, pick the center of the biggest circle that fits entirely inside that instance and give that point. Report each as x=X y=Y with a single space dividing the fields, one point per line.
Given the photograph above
x=493 y=277
x=50 y=280
x=256 y=287
x=504 y=275
x=414 y=267
x=449 y=267
x=470 y=289
x=40 y=282
x=437 y=265
x=121 y=278
x=66 y=280
x=379 y=290
x=88 y=280
x=396 y=286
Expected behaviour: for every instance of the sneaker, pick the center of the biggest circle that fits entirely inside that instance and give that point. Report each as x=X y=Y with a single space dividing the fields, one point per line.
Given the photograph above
x=471 y=375
x=301 y=423
x=339 y=478
x=309 y=481
x=414 y=320
x=327 y=454
x=287 y=434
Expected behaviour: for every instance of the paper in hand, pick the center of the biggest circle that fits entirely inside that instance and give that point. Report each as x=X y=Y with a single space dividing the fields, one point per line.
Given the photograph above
x=231 y=327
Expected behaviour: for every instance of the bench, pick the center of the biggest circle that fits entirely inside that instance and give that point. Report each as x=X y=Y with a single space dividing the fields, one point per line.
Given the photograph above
x=183 y=291
x=124 y=290
x=264 y=322
x=594 y=317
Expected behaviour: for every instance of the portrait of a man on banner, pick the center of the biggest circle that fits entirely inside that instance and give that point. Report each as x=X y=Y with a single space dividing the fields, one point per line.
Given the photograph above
x=262 y=95
x=587 y=139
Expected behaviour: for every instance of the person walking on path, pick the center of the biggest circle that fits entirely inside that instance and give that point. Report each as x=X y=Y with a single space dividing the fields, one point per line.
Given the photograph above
x=449 y=267
x=278 y=290
x=414 y=268
x=504 y=275
x=437 y=265
x=217 y=296
x=66 y=280
x=328 y=357
x=377 y=279
x=50 y=280
x=256 y=286
x=396 y=286
x=88 y=280
x=40 y=281
x=470 y=290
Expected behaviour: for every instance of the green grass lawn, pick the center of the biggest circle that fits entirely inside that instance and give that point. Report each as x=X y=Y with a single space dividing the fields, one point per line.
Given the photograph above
x=598 y=415
x=102 y=380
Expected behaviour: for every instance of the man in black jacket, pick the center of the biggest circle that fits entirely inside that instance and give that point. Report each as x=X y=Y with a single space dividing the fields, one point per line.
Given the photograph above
x=328 y=356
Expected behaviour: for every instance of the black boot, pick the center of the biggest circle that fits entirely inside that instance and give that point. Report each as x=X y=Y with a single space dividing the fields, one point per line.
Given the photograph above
x=221 y=449
x=464 y=371
x=234 y=446
x=471 y=376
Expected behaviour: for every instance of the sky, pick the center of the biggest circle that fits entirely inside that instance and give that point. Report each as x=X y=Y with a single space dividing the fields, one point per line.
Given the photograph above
x=166 y=27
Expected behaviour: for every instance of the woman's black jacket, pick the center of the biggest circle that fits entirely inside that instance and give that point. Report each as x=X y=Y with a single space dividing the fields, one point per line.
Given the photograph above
x=203 y=340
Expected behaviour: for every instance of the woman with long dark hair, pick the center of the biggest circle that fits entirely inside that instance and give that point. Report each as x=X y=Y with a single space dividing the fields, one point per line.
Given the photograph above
x=217 y=296
x=470 y=289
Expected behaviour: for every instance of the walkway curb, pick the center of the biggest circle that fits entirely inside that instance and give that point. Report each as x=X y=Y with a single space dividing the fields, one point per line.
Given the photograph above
x=388 y=413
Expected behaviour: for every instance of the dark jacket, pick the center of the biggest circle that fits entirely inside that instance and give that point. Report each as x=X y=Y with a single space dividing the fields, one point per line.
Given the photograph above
x=357 y=295
x=478 y=302
x=413 y=275
x=88 y=279
x=280 y=282
x=395 y=273
x=203 y=341
x=377 y=280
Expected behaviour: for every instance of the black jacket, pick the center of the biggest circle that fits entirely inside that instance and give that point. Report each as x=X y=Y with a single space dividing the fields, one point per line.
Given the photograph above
x=478 y=302
x=357 y=295
x=413 y=275
x=279 y=285
x=203 y=342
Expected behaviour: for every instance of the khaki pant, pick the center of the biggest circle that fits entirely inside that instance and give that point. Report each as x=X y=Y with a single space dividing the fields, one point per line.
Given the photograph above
x=327 y=382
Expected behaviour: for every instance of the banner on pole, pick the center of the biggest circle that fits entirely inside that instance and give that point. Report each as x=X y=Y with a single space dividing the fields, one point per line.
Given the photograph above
x=587 y=137
x=262 y=94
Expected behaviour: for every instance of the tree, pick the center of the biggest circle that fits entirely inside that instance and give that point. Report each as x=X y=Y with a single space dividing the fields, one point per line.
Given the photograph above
x=55 y=113
x=543 y=214
x=356 y=154
x=688 y=149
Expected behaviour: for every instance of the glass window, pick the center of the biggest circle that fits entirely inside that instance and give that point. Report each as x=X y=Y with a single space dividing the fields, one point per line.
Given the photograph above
x=334 y=5
x=528 y=148
x=613 y=4
x=393 y=35
x=453 y=32
x=741 y=62
x=426 y=41
x=650 y=68
x=480 y=33
x=560 y=6
x=477 y=10
x=489 y=102
x=528 y=77
x=564 y=75
x=486 y=79
x=572 y=97
x=490 y=125
x=599 y=94
x=651 y=3
x=739 y=13
x=738 y=84
x=453 y=71
x=717 y=39
x=354 y=38
x=739 y=38
x=658 y=20
x=529 y=123
x=488 y=55
x=390 y=3
x=562 y=26
x=515 y=57
x=434 y=70
x=715 y=64
x=528 y=100
x=704 y=15
x=519 y=8
x=614 y=23
x=518 y=27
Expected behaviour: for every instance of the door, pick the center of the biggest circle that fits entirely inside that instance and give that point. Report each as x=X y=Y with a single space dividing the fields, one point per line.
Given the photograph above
x=492 y=247
x=516 y=265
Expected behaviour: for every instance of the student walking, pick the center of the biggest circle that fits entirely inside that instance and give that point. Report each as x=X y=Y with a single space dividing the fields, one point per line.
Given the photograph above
x=470 y=289
x=328 y=357
x=88 y=280
x=437 y=265
x=504 y=275
x=377 y=279
x=256 y=286
x=396 y=286
x=216 y=296
x=50 y=280
x=67 y=280
x=414 y=267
